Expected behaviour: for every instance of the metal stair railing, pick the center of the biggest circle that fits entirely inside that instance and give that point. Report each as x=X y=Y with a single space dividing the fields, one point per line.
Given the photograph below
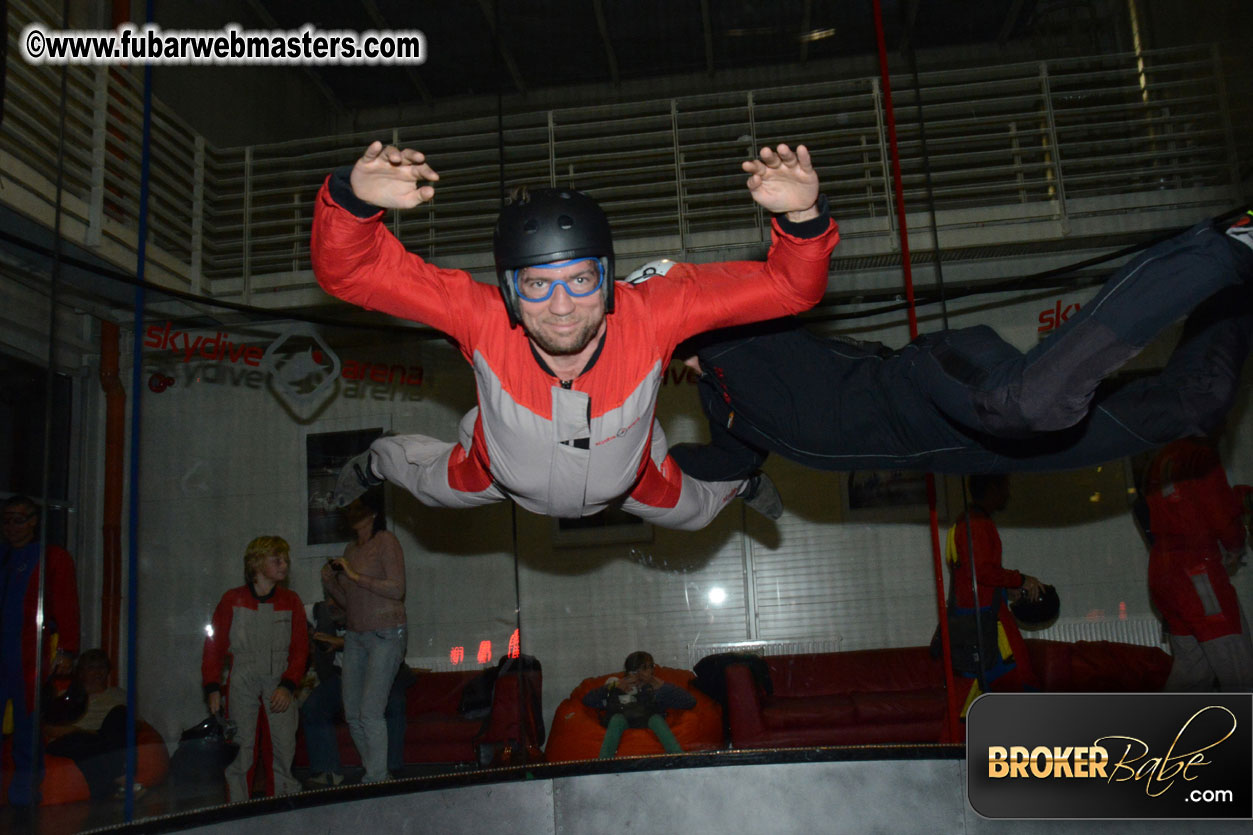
x=1036 y=141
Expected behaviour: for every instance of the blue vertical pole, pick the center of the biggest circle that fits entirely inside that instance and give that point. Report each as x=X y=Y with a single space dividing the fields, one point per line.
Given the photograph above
x=132 y=557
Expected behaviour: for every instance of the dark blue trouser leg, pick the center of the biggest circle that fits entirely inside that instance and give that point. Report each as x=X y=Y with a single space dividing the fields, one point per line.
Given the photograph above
x=990 y=389
x=1189 y=397
x=27 y=759
x=318 y=714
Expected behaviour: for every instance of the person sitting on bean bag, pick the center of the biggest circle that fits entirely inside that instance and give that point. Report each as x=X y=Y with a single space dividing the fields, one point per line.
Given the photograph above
x=638 y=700
x=95 y=736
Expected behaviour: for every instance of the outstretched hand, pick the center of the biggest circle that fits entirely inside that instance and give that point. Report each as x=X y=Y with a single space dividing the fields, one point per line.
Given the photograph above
x=784 y=181
x=391 y=178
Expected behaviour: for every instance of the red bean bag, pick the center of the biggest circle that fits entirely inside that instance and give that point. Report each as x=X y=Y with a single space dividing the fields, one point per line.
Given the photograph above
x=577 y=733
x=64 y=783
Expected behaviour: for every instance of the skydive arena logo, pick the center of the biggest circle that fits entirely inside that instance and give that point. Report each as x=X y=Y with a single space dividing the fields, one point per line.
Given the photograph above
x=299 y=366
x=1140 y=755
x=295 y=363
x=302 y=367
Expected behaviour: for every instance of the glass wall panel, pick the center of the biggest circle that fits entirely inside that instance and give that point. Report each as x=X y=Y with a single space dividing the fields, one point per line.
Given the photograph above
x=246 y=427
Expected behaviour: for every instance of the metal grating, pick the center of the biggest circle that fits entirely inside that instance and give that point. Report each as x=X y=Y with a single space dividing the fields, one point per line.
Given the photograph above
x=1029 y=144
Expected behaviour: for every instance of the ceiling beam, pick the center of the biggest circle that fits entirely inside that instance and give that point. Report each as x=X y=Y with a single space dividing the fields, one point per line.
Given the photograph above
x=604 y=37
x=1011 y=20
x=268 y=21
x=910 y=20
x=707 y=23
x=376 y=17
x=489 y=12
x=806 y=26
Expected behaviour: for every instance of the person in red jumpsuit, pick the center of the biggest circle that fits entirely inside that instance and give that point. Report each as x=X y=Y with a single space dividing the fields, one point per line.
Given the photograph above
x=1005 y=664
x=260 y=629
x=19 y=598
x=567 y=365
x=1197 y=535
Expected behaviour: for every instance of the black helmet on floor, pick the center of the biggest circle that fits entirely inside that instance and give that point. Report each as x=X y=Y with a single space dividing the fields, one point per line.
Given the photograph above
x=545 y=225
x=204 y=750
x=1037 y=614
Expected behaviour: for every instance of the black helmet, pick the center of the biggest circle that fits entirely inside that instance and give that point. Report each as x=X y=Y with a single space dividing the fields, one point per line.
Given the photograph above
x=204 y=750
x=544 y=225
x=1037 y=614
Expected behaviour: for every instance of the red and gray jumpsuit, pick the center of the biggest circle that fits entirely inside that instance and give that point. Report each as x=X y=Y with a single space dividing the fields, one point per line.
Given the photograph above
x=268 y=643
x=1192 y=511
x=558 y=451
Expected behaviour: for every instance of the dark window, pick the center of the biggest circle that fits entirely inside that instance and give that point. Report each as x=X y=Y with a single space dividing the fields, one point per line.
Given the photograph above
x=23 y=405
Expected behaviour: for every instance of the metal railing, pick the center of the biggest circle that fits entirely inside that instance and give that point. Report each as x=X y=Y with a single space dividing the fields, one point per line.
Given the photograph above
x=1022 y=140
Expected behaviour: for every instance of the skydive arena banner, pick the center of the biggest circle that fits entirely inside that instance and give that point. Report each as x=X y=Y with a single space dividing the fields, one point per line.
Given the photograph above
x=1111 y=755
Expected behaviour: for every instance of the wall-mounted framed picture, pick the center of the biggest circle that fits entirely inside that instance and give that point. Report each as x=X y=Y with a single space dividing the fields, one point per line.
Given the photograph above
x=890 y=496
x=326 y=453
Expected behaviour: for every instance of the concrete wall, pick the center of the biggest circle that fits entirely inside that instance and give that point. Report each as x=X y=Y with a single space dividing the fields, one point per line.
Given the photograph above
x=922 y=796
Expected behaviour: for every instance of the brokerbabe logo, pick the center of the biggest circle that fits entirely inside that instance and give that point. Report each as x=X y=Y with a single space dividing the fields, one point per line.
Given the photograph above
x=1140 y=755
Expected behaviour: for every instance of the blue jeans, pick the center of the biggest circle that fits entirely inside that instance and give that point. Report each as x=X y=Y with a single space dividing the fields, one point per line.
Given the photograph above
x=318 y=715
x=395 y=716
x=370 y=663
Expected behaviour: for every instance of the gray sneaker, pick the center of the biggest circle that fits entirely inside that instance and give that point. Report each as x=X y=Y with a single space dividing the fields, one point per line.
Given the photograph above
x=354 y=479
x=762 y=496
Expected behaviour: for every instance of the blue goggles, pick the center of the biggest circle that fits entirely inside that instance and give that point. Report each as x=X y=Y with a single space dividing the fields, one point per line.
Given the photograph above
x=541 y=289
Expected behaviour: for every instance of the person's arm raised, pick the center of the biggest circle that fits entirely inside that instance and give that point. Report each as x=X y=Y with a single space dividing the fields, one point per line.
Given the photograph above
x=356 y=257
x=701 y=297
x=783 y=181
x=393 y=178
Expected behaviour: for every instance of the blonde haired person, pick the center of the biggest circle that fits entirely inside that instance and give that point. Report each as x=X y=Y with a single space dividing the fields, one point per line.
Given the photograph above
x=261 y=626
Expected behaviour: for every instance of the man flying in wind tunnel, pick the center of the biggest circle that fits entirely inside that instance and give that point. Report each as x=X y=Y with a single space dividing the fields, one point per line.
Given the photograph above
x=567 y=366
x=965 y=401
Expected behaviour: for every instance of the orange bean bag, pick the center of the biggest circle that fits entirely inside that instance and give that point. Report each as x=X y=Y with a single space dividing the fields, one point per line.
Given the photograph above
x=577 y=733
x=64 y=783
